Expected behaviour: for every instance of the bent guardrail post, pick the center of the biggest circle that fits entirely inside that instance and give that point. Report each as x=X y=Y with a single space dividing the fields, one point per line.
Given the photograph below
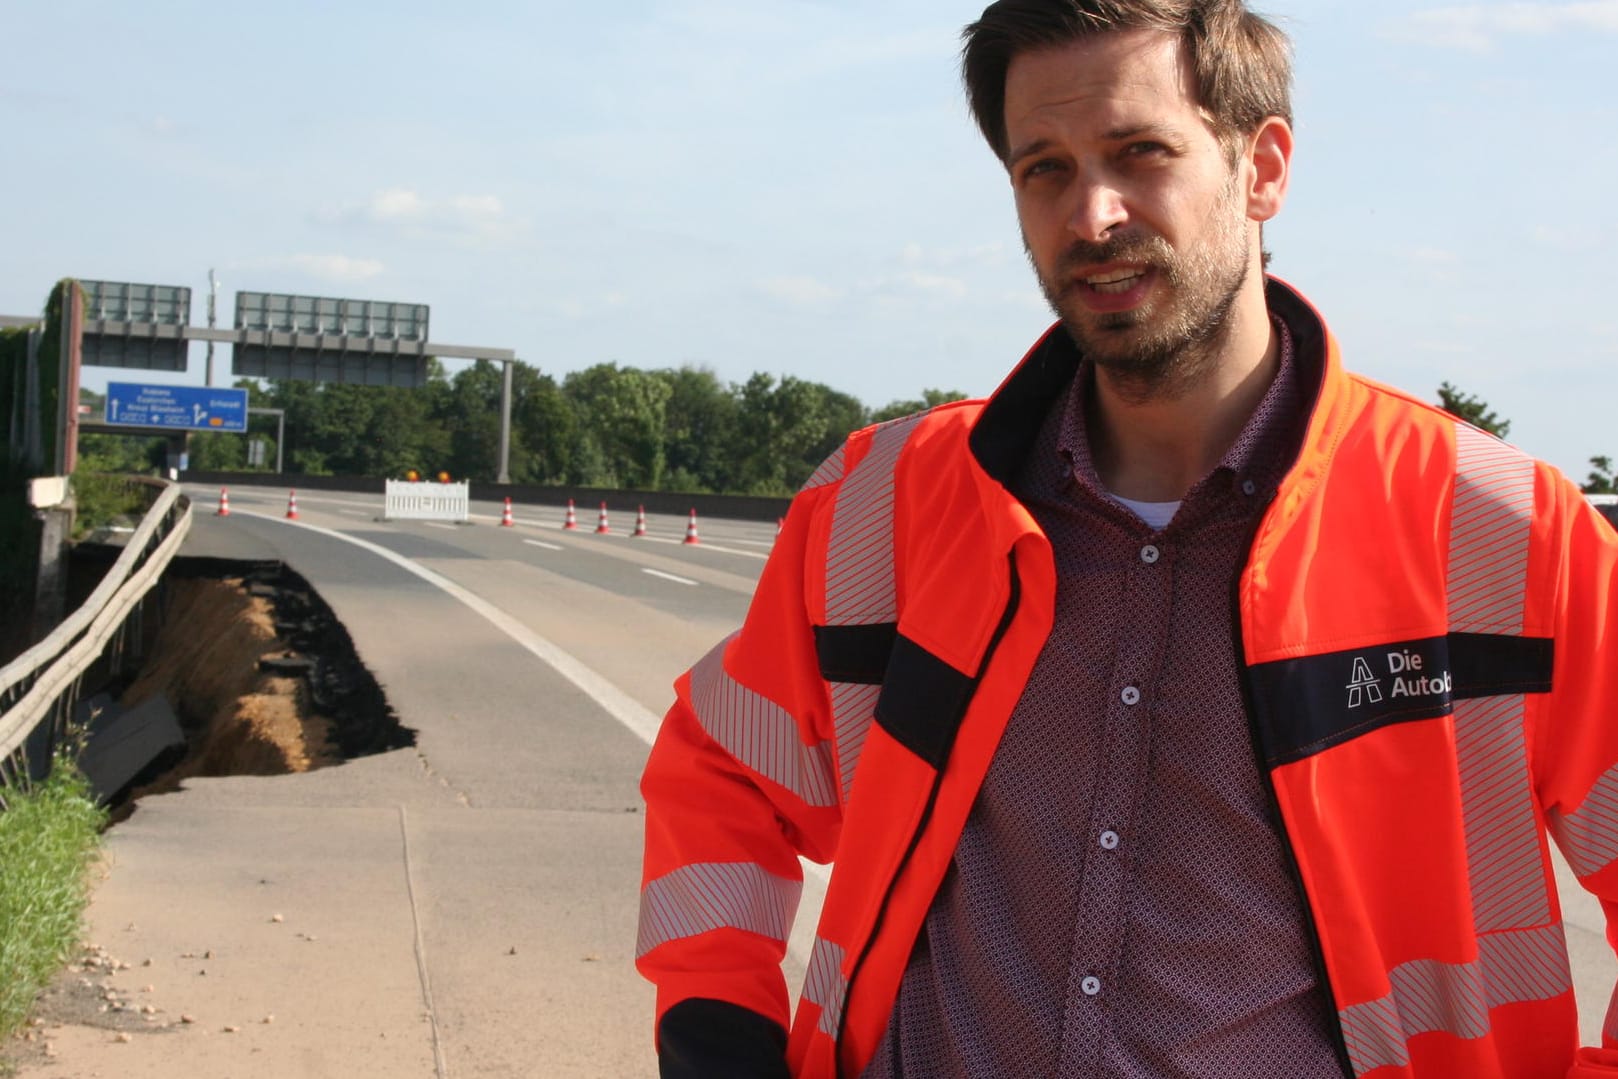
x=42 y=685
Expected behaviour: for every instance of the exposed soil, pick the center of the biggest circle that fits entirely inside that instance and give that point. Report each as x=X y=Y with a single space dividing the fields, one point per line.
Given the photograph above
x=265 y=681
x=263 y=678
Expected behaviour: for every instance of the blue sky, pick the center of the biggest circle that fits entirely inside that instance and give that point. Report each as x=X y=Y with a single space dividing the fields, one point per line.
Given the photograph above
x=794 y=187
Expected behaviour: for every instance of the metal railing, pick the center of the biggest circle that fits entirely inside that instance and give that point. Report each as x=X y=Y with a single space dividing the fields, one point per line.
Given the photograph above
x=40 y=688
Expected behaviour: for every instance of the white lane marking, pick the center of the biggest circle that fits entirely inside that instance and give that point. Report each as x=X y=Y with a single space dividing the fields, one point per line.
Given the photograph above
x=353 y=513
x=669 y=576
x=618 y=704
x=547 y=546
x=435 y=524
x=710 y=547
x=614 y=701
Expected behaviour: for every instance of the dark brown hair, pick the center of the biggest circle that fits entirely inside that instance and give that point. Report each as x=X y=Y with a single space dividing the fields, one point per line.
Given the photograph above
x=1242 y=61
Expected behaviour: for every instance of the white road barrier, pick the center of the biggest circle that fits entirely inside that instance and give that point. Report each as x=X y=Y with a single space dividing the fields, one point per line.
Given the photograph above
x=427 y=501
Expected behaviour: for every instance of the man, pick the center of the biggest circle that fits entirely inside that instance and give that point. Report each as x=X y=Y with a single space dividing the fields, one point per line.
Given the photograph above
x=1190 y=707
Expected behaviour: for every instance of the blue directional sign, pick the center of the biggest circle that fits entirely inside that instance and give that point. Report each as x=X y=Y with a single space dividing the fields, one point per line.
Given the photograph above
x=191 y=408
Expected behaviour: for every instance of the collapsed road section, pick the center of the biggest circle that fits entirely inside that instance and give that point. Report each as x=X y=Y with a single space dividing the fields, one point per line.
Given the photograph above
x=246 y=671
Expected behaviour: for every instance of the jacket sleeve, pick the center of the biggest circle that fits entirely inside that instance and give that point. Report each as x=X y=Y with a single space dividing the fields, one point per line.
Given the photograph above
x=741 y=781
x=1575 y=748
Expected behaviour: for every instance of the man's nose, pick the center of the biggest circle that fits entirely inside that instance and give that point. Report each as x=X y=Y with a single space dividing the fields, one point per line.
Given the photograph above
x=1098 y=210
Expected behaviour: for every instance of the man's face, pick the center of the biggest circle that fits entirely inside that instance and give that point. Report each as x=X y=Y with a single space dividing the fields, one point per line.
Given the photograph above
x=1132 y=213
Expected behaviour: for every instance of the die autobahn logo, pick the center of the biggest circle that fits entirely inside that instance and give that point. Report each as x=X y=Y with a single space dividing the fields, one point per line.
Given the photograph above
x=1404 y=676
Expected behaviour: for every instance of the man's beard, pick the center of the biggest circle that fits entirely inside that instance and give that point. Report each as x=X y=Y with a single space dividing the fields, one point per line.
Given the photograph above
x=1162 y=349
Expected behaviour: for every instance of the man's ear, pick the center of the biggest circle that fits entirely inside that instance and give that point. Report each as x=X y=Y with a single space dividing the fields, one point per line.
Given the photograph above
x=1269 y=161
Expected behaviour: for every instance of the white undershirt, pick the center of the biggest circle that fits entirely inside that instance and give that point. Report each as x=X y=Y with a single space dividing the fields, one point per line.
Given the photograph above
x=1156 y=514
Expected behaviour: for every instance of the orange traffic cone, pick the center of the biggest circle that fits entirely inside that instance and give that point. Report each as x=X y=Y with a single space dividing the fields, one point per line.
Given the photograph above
x=292 y=505
x=505 y=516
x=640 y=522
x=572 y=520
x=691 y=529
x=224 y=504
x=601 y=526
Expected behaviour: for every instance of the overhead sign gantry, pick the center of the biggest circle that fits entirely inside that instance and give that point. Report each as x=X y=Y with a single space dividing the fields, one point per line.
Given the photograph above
x=279 y=336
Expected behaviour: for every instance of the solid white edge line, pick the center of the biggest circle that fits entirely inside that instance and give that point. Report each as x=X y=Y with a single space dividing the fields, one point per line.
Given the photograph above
x=547 y=546
x=614 y=701
x=618 y=704
x=668 y=576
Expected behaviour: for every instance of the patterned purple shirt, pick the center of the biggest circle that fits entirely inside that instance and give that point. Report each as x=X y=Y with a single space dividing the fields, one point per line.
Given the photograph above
x=1120 y=906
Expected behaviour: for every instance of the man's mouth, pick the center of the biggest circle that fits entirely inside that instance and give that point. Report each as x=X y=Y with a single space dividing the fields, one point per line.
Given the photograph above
x=1115 y=282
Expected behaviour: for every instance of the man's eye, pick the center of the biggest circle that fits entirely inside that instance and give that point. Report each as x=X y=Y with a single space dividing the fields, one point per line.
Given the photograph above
x=1039 y=168
x=1145 y=149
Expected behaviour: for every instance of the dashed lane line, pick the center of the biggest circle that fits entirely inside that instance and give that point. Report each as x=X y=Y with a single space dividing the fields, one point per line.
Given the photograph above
x=615 y=702
x=547 y=546
x=710 y=547
x=669 y=576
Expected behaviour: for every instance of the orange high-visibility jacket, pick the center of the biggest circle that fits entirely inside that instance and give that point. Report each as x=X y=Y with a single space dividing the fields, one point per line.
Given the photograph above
x=1429 y=624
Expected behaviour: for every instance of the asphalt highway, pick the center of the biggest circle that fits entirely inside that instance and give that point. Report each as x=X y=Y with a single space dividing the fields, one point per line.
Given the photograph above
x=465 y=907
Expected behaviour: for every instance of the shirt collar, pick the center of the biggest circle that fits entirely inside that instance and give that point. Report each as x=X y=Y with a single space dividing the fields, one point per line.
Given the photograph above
x=1260 y=453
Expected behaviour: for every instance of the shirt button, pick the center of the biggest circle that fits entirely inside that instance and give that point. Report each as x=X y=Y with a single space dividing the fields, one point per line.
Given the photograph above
x=1249 y=487
x=1109 y=840
x=1091 y=986
x=1130 y=695
x=1150 y=554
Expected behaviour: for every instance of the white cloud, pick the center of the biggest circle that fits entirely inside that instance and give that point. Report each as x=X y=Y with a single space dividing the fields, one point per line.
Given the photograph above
x=1478 y=27
x=802 y=291
x=1568 y=241
x=399 y=209
x=340 y=269
x=950 y=287
x=979 y=256
x=395 y=204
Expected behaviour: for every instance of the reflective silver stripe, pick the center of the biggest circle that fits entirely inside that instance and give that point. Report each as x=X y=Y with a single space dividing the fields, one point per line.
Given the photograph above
x=1487 y=592
x=860 y=586
x=1502 y=833
x=1609 y=1028
x=695 y=899
x=825 y=985
x=1430 y=997
x=1588 y=836
x=1520 y=957
x=852 y=708
x=760 y=733
x=1489 y=533
x=830 y=471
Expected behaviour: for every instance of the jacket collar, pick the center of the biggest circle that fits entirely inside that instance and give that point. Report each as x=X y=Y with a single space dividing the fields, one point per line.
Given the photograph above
x=1006 y=428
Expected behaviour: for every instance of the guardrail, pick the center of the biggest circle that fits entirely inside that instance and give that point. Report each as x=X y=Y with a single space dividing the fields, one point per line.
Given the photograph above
x=39 y=689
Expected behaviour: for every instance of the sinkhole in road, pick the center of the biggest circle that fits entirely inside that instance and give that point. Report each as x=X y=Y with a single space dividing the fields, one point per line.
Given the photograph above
x=261 y=674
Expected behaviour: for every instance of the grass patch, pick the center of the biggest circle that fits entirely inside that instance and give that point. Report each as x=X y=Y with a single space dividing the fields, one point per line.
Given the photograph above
x=49 y=837
x=101 y=499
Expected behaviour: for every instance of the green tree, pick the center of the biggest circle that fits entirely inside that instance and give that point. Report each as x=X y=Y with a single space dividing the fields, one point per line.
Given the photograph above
x=784 y=429
x=358 y=430
x=544 y=430
x=1471 y=409
x=1602 y=479
x=699 y=430
x=929 y=399
x=622 y=413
